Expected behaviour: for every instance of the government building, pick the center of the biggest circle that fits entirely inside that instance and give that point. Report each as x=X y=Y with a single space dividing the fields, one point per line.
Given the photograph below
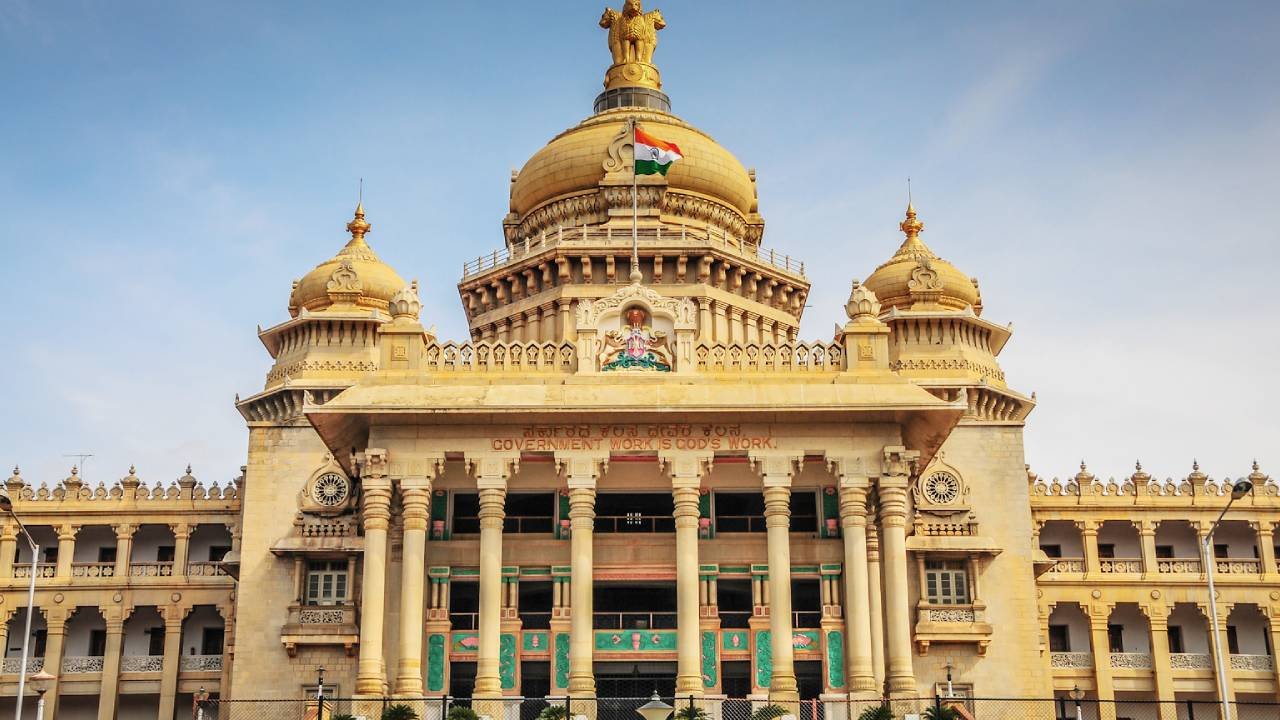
x=634 y=475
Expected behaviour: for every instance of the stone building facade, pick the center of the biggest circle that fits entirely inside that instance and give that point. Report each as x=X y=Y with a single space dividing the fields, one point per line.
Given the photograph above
x=634 y=474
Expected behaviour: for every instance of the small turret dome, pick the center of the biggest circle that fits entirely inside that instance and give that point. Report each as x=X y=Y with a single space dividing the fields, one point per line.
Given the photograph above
x=916 y=278
x=354 y=277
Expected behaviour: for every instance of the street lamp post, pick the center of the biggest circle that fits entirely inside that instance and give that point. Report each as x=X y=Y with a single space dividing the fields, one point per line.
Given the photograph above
x=198 y=699
x=41 y=681
x=1077 y=694
x=950 y=689
x=6 y=504
x=1238 y=490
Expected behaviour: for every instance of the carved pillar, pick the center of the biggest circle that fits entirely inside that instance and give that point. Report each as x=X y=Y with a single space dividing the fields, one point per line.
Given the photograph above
x=581 y=473
x=533 y=325
x=686 y=476
x=173 y=617
x=735 y=325
x=376 y=516
x=1266 y=549
x=1273 y=627
x=860 y=679
x=1158 y=620
x=704 y=320
x=752 y=325
x=893 y=520
x=1089 y=536
x=55 y=636
x=567 y=329
x=721 y=325
x=8 y=549
x=1099 y=615
x=548 y=322
x=415 y=498
x=1147 y=536
x=109 y=696
x=66 y=549
x=491 y=472
x=124 y=547
x=181 y=548
x=777 y=470
x=877 y=604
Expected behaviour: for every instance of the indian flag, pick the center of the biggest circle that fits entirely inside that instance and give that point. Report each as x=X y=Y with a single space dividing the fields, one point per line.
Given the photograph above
x=654 y=155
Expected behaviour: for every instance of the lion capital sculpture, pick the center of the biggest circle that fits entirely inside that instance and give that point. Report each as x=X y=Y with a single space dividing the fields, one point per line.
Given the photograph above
x=633 y=33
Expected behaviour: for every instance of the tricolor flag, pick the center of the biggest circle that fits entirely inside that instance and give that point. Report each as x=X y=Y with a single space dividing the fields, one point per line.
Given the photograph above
x=654 y=155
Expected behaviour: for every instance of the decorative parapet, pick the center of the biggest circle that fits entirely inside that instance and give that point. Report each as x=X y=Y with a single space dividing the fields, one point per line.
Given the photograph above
x=1071 y=660
x=952 y=624
x=1255 y=663
x=1191 y=661
x=200 y=663
x=82 y=665
x=1141 y=487
x=13 y=665
x=130 y=487
x=785 y=357
x=483 y=356
x=1131 y=661
x=141 y=663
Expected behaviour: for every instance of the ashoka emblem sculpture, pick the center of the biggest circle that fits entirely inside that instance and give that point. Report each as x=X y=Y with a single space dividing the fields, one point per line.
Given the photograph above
x=941 y=488
x=330 y=490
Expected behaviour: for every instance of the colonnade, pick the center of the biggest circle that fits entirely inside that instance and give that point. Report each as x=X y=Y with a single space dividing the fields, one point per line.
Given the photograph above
x=876 y=634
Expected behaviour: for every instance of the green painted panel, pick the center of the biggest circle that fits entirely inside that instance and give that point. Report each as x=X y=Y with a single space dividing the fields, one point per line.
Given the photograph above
x=710 y=672
x=439 y=515
x=435 y=662
x=764 y=659
x=465 y=642
x=507 y=660
x=734 y=640
x=562 y=516
x=835 y=659
x=562 y=660
x=534 y=641
x=635 y=640
x=830 y=512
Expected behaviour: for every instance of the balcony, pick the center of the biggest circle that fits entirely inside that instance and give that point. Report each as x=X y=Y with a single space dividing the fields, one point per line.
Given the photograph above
x=200 y=663
x=1071 y=660
x=141 y=663
x=1190 y=661
x=82 y=665
x=93 y=569
x=1253 y=663
x=1066 y=566
x=13 y=665
x=952 y=624
x=43 y=570
x=1238 y=566
x=1120 y=566
x=206 y=569
x=1130 y=661
x=317 y=625
x=1180 y=566
x=151 y=569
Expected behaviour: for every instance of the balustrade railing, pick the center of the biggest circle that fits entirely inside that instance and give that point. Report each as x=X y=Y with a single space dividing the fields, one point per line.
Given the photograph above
x=1120 y=566
x=322 y=615
x=488 y=356
x=206 y=569
x=13 y=665
x=635 y=523
x=1190 y=661
x=78 y=665
x=1071 y=660
x=1238 y=566
x=1260 y=663
x=142 y=663
x=1177 y=566
x=93 y=569
x=1131 y=661
x=770 y=357
x=43 y=570
x=200 y=663
x=464 y=621
x=806 y=618
x=151 y=569
x=634 y=621
x=1063 y=566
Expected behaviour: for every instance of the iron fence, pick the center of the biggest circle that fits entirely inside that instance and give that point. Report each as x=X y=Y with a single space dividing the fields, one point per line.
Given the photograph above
x=700 y=708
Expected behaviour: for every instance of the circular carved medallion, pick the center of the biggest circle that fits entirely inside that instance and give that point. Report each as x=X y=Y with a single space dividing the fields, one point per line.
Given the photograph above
x=941 y=488
x=330 y=490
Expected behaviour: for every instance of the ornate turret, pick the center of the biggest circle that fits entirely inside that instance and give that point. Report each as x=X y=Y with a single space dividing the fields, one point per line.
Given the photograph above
x=916 y=278
x=353 y=277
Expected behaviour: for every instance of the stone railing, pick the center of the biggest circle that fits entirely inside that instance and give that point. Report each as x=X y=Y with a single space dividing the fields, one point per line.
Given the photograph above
x=951 y=615
x=1261 y=663
x=151 y=569
x=196 y=490
x=1063 y=566
x=80 y=665
x=142 y=663
x=322 y=615
x=93 y=569
x=1126 y=566
x=1131 y=661
x=1190 y=661
x=43 y=570
x=13 y=665
x=1238 y=566
x=782 y=357
x=1071 y=660
x=1176 y=566
x=933 y=528
x=206 y=569
x=483 y=356
x=200 y=663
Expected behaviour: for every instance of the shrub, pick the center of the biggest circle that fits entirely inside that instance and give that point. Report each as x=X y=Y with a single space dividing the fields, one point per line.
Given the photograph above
x=460 y=712
x=399 y=711
x=941 y=713
x=690 y=712
x=342 y=716
x=879 y=712
x=769 y=712
x=550 y=712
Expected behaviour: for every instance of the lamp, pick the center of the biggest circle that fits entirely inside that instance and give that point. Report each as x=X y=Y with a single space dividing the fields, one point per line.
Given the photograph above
x=1077 y=694
x=40 y=682
x=198 y=699
x=950 y=690
x=655 y=709
x=6 y=504
x=1239 y=489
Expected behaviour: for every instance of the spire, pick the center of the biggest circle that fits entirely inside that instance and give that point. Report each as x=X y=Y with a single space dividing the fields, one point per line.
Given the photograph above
x=358 y=227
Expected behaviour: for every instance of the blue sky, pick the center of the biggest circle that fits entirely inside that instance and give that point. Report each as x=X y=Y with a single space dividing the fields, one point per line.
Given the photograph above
x=1108 y=171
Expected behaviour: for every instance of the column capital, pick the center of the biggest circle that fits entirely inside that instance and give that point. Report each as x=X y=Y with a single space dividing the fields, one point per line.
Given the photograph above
x=899 y=461
x=377 y=507
x=180 y=530
x=686 y=467
x=582 y=469
x=776 y=467
x=850 y=469
x=375 y=466
x=422 y=466
x=493 y=469
x=125 y=531
x=1157 y=613
x=67 y=532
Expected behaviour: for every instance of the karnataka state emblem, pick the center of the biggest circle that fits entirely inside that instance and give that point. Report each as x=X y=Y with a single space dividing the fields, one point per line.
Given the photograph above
x=636 y=347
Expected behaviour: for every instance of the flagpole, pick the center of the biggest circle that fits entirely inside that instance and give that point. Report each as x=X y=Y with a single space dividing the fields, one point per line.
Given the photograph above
x=635 y=210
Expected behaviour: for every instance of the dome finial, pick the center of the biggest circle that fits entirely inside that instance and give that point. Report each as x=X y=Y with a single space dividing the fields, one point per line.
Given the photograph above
x=911 y=226
x=358 y=227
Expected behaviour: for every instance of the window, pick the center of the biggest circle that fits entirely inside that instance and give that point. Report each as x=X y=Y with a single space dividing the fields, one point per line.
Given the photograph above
x=1175 y=640
x=51 y=555
x=1164 y=551
x=1220 y=550
x=1059 y=638
x=165 y=553
x=1115 y=638
x=946 y=582
x=326 y=582
x=733 y=597
x=1053 y=551
x=739 y=511
x=530 y=513
x=804 y=511
x=466 y=513
x=1233 y=640
x=106 y=555
x=211 y=641
x=1106 y=550
x=634 y=512
x=155 y=641
x=97 y=643
x=41 y=638
x=217 y=552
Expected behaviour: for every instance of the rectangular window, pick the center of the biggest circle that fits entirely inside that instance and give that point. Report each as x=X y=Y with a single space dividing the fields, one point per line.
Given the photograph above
x=211 y=641
x=466 y=513
x=51 y=555
x=217 y=552
x=165 y=553
x=530 y=513
x=106 y=555
x=1059 y=638
x=1233 y=640
x=1053 y=551
x=738 y=511
x=1106 y=550
x=155 y=641
x=1175 y=640
x=1115 y=638
x=97 y=643
x=41 y=638
x=326 y=582
x=1220 y=550
x=1164 y=551
x=804 y=511
x=634 y=512
x=946 y=582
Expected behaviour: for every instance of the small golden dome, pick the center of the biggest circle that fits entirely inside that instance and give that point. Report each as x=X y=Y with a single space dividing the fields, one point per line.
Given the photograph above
x=355 y=276
x=572 y=162
x=915 y=276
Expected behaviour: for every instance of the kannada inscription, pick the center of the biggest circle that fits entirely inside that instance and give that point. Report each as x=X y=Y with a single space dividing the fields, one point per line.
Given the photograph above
x=638 y=438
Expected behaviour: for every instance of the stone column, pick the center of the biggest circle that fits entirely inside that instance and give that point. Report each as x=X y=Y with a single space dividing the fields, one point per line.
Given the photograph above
x=877 y=604
x=1089 y=536
x=376 y=516
x=1099 y=615
x=581 y=472
x=109 y=695
x=860 y=680
x=8 y=549
x=893 y=521
x=491 y=472
x=124 y=548
x=1147 y=536
x=66 y=549
x=565 y=328
x=1273 y=627
x=686 y=476
x=548 y=322
x=173 y=617
x=777 y=470
x=1158 y=620
x=1266 y=549
x=704 y=320
x=181 y=548
x=56 y=634
x=415 y=499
